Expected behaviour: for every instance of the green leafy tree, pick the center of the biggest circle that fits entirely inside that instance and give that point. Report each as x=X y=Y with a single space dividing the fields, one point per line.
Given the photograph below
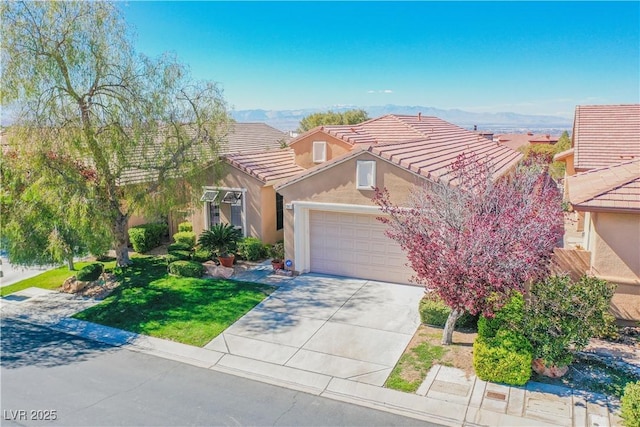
x=38 y=228
x=134 y=132
x=349 y=117
x=546 y=153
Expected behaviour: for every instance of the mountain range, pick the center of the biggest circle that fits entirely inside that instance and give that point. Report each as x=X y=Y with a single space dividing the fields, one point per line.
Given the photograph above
x=504 y=122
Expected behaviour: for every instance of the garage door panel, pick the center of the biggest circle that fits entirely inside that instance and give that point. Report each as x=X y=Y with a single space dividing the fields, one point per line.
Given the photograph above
x=359 y=248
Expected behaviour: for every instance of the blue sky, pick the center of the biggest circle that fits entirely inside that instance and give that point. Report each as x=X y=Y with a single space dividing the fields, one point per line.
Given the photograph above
x=530 y=58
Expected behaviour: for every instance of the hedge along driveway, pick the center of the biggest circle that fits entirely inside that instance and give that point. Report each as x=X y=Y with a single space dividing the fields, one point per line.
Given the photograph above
x=187 y=310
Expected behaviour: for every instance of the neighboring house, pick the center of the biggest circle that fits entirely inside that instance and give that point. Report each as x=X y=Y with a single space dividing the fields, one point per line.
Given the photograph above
x=330 y=221
x=518 y=140
x=603 y=186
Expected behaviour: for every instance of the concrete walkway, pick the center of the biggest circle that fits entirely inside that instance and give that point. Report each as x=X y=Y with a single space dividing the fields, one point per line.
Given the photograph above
x=338 y=338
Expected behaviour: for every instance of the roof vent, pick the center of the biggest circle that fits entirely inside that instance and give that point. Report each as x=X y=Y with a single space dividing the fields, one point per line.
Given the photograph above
x=419 y=116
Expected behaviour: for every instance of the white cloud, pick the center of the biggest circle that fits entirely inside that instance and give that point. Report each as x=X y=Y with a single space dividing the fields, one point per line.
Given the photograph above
x=388 y=91
x=380 y=91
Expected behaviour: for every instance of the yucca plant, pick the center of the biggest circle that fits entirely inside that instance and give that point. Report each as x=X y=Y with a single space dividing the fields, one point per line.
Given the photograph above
x=222 y=239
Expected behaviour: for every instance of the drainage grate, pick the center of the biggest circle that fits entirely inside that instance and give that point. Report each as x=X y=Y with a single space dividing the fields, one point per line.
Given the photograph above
x=496 y=396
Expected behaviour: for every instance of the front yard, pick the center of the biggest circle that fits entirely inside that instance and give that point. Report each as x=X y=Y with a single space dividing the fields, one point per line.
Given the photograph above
x=187 y=310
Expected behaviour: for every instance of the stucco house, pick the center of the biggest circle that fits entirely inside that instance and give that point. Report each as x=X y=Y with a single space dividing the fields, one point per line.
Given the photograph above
x=330 y=223
x=602 y=183
x=316 y=192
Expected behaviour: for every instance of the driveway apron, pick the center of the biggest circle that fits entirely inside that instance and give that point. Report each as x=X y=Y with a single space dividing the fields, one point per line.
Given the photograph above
x=347 y=328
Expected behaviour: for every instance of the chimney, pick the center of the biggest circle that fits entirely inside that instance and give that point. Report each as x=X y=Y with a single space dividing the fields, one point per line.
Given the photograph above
x=419 y=116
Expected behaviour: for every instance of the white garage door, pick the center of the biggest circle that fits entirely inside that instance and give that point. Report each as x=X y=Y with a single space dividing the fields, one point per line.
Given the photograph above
x=354 y=245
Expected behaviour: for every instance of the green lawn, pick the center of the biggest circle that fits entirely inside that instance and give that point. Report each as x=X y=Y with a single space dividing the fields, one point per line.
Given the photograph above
x=186 y=310
x=51 y=279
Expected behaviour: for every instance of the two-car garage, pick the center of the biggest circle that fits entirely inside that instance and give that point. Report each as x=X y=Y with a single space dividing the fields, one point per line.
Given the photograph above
x=354 y=244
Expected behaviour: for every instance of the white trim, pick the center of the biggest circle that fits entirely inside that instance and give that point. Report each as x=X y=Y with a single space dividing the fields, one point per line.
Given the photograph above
x=339 y=160
x=362 y=164
x=323 y=158
x=302 y=248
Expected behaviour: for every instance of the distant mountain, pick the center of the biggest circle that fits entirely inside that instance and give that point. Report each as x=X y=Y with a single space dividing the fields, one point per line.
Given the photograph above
x=504 y=122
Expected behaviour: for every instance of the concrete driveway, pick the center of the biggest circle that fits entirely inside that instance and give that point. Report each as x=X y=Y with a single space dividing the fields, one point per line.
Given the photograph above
x=347 y=328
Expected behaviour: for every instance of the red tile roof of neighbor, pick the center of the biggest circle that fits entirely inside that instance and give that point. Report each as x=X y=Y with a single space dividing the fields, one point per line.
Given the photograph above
x=606 y=134
x=267 y=166
x=424 y=145
x=614 y=187
x=517 y=140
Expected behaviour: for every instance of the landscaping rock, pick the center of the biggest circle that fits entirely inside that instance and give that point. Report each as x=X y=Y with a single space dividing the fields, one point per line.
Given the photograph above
x=72 y=285
x=213 y=270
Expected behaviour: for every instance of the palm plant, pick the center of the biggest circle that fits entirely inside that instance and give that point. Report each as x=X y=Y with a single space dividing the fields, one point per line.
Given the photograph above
x=222 y=239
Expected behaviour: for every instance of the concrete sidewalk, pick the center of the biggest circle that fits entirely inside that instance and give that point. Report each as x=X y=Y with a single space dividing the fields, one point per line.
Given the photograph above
x=447 y=396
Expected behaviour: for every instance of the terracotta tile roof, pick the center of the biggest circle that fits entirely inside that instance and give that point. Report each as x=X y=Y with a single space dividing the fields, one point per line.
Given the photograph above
x=239 y=138
x=614 y=187
x=604 y=135
x=432 y=158
x=429 y=156
x=245 y=137
x=267 y=166
x=517 y=140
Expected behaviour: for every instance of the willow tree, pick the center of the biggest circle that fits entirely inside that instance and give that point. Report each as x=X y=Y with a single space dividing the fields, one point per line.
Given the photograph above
x=142 y=128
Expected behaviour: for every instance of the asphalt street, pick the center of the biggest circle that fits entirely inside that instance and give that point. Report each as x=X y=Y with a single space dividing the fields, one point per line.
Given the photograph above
x=51 y=378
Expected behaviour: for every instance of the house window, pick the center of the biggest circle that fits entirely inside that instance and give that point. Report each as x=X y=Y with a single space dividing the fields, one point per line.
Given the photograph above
x=236 y=216
x=365 y=174
x=279 y=212
x=214 y=213
x=319 y=151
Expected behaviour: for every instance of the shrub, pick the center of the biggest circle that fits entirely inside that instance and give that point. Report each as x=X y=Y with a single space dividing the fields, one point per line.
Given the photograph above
x=90 y=272
x=561 y=316
x=185 y=226
x=145 y=237
x=509 y=317
x=252 y=249
x=630 y=405
x=276 y=251
x=178 y=247
x=505 y=358
x=222 y=239
x=186 y=268
x=185 y=238
x=181 y=255
x=170 y=258
x=202 y=255
x=434 y=312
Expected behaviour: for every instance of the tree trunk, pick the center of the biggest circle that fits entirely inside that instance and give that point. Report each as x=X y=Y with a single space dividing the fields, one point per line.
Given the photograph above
x=447 y=333
x=121 y=240
x=70 y=263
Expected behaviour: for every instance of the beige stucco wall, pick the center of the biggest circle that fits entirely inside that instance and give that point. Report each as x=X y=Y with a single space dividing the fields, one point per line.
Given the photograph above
x=338 y=185
x=303 y=148
x=614 y=242
x=260 y=208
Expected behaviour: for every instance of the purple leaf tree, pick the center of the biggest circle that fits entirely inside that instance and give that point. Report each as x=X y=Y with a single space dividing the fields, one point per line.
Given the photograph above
x=476 y=238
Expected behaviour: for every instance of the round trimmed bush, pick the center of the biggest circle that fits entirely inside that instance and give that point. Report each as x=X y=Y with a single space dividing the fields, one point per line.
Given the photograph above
x=509 y=317
x=90 y=272
x=185 y=226
x=181 y=255
x=434 y=312
x=186 y=268
x=186 y=238
x=505 y=358
x=630 y=405
x=202 y=255
x=178 y=247
x=252 y=249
